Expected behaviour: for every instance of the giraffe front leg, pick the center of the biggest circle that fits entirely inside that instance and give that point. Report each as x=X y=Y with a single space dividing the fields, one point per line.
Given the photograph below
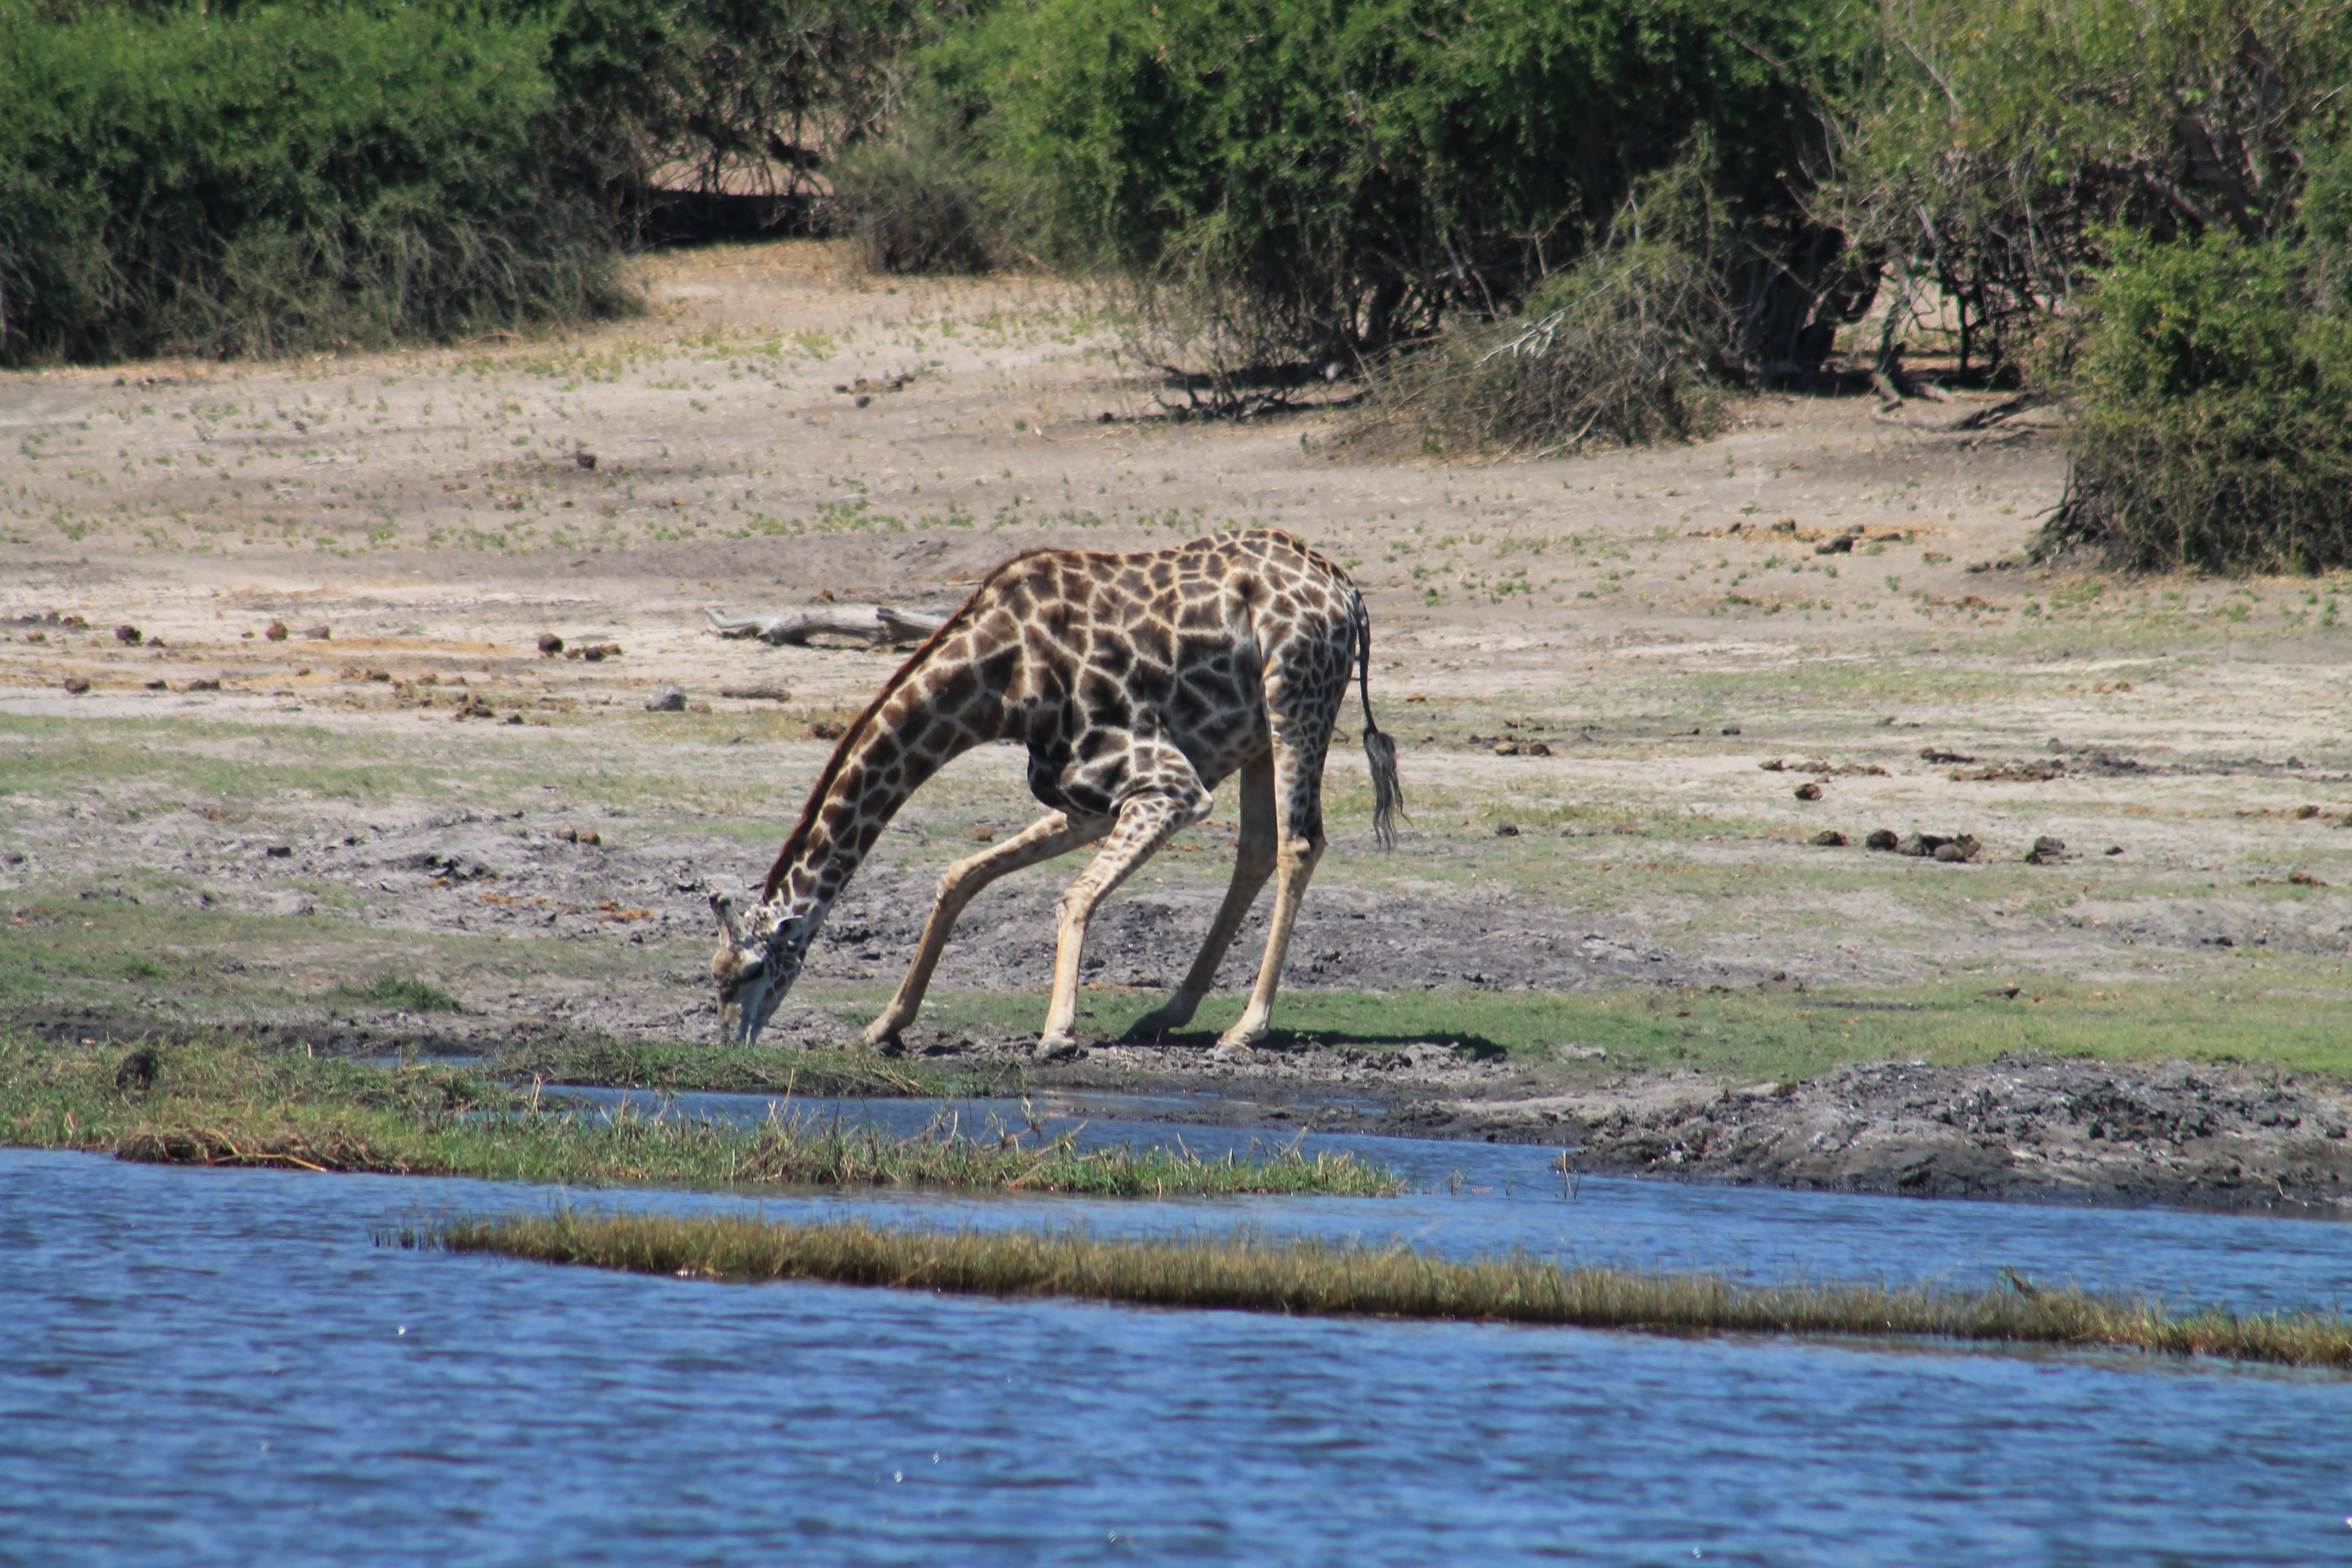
x=1049 y=836
x=1145 y=823
x=1253 y=863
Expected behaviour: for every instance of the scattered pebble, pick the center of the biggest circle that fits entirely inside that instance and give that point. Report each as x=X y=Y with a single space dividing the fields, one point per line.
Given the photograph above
x=666 y=698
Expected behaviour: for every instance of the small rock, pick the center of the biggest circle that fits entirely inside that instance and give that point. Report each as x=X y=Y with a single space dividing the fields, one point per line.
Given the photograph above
x=1731 y=729
x=2114 y=848
x=1572 y=1052
x=825 y=729
x=1506 y=830
x=1880 y=838
x=319 y=633
x=1535 y=749
x=589 y=838
x=1842 y=545
x=274 y=631
x=76 y=684
x=1507 y=749
x=155 y=686
x=2046 y=851
x=550 y=645
x=1809 y=792
x=862 y=399
x=666 y=698
x=1950 y=853
x=2305 y=813
x=1830 y=838
x=585 y=459
x=127 y=633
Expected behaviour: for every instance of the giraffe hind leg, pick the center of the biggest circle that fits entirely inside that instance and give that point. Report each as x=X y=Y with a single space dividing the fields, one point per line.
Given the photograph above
x=1253 y=864
x=1049 y=836
x=1299 y=789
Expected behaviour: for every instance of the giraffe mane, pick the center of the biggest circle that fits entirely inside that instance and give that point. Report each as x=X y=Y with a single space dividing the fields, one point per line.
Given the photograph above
x=858 y=726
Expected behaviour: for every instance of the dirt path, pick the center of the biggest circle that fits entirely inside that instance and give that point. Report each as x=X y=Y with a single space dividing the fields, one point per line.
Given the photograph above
x=1594 y=666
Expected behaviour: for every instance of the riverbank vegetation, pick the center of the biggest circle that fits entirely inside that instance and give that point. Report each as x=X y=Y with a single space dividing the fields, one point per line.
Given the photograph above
x=221 y=1101
x=1319 y=1278
x=1519 y=227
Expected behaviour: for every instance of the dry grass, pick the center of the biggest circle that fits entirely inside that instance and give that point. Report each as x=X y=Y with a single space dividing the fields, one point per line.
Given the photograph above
x=1332 y=1279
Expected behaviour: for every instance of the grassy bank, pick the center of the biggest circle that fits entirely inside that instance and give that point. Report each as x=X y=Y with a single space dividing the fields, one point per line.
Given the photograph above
x=1778 y=1033
x=1326 y=1280
x=225 y=1102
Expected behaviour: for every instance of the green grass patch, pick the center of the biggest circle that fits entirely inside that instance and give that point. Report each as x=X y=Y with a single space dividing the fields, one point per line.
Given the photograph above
x=1754 y=1035
x=223 y=1102
x=1318 y=1278
x=612 y=1062
x=397 y=991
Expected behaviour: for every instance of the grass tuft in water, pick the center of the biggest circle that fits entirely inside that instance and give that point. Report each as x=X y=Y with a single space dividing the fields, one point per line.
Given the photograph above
x=1320 y=1279
x=229 y=1102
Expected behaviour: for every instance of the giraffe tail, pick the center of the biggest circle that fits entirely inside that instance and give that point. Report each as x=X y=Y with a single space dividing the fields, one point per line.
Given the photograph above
x=1379 y=751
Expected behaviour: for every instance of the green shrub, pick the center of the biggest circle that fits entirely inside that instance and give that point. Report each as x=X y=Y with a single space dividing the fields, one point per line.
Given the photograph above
x=1995 y=143
x=918 y=201
x=2216 y=431
x=1331 y=175
x=279 y=179
x=720 y=94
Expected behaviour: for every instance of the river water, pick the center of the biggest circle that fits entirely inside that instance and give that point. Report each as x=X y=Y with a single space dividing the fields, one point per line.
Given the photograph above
x=222 y=1367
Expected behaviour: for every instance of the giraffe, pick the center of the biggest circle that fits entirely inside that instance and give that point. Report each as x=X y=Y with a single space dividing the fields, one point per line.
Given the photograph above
x=1139 y=682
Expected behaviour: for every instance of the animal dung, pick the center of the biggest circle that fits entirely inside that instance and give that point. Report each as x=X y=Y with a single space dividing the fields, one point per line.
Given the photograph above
x=127 y=633
x=274 y=631
x=586 y=460
x=2046 y=851
x=1809 y=791
x=319 y=633
x=1830 y=838
x=594 y=652
x=825 y=729
x=1881 y=838
x=550 y=645
x=76 y=684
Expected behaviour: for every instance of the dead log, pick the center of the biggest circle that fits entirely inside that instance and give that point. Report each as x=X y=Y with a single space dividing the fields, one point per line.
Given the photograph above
x=868 y=622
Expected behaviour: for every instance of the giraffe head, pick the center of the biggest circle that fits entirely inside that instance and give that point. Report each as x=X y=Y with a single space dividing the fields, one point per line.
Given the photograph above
x=755 y=965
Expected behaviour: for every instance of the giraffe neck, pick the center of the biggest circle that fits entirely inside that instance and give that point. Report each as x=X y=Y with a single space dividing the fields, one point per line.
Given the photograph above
x=894 y=748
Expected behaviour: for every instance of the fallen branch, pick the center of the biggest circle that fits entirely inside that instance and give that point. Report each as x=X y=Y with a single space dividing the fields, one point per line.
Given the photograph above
x=871 y=623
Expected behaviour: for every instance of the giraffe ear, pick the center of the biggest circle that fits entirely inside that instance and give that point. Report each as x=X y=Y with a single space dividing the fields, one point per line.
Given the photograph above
x=724 y=908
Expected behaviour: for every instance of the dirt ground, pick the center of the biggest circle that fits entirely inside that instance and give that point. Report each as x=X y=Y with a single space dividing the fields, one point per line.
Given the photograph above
x=1612 y=677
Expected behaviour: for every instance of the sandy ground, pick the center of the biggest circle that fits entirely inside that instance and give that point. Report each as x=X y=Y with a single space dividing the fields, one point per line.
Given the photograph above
x=1610 y=676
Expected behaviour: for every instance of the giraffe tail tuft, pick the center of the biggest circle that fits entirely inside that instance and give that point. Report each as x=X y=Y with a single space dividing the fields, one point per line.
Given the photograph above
x=1380 y=750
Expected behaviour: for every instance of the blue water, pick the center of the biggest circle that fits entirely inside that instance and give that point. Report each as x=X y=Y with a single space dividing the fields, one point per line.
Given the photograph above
x=221 y=1366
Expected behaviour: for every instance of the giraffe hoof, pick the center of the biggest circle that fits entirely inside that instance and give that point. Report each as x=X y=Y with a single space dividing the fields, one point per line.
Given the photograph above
x=1058 y=1048
x=1233 y=1051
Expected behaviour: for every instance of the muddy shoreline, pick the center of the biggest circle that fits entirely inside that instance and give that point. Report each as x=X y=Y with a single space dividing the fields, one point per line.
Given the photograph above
x=2026 y=1127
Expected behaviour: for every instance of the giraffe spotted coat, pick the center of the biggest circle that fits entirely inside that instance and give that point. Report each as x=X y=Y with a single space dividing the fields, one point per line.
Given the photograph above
x=1137 y=683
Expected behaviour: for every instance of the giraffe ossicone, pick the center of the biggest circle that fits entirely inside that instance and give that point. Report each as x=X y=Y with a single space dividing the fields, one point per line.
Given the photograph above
x=1139 y=683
